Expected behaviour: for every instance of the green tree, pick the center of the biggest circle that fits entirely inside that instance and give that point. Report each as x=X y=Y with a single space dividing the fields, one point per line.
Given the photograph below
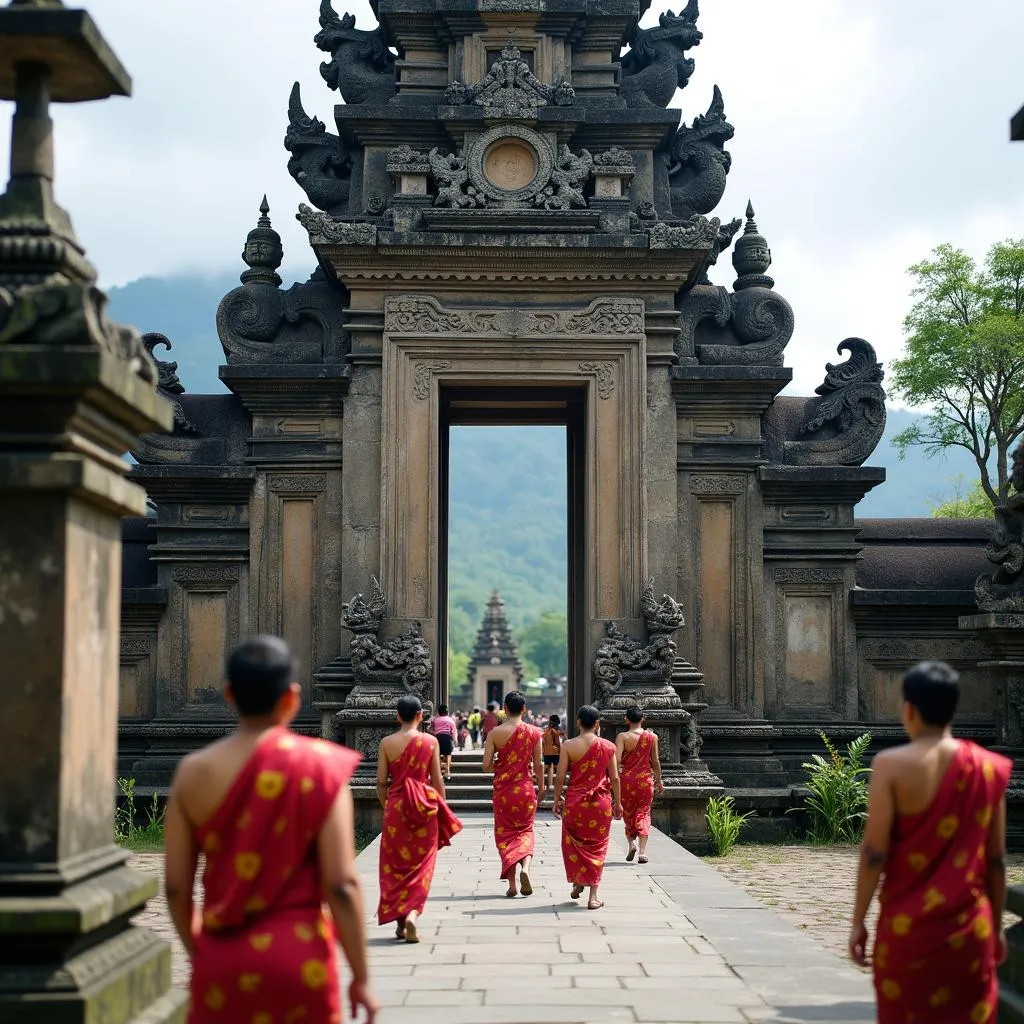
x=458 y=669
x=972 y=503
x=964 y=359
x=544 y=644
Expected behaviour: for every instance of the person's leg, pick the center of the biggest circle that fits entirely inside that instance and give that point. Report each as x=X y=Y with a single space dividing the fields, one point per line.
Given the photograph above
x=411 y=934
x=525 y=885
x=593 y=903
x=643 y=849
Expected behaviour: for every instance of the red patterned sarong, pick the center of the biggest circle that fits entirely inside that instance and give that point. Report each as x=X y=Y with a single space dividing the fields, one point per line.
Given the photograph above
x=515 y=801
x=267 y=949
x=637 y=778
x=934 y=955
x=587 y=815
x=417 y=823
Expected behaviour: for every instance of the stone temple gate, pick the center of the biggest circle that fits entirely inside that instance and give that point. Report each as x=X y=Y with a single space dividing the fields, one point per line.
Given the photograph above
x=511 y=225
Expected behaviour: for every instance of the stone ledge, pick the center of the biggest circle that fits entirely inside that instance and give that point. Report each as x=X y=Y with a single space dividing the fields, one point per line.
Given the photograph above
x=75 y=475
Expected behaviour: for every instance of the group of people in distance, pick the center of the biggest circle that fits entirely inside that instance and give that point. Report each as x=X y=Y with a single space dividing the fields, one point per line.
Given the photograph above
x=273 y=815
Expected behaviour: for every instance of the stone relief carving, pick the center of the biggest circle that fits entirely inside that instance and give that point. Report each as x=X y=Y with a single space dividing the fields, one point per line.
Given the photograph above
x=1003 y=590
x=134 y=645
x=605 y=373
x=205 y=574
x=319 y=162
x=655 y=66
x=292 y=483
x=844 y=425
x=423 y=314
x=908 y=651
x=707 y=484
x=361 y=67
x=424 y=374
x=510 y=89
x=327 y=230
x=365 y=616
x=451 y=175
x=564 y=189
x=750 y=326
x=697 y=233
x=168 y=382
x=699 y=161
x=799 y=575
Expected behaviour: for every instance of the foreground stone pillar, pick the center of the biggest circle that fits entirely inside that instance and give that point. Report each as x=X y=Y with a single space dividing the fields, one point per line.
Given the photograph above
x=75 y=391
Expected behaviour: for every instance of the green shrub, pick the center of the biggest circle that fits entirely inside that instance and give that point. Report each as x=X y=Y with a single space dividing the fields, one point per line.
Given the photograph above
x=724 y=823
x=148 y=836
x=837 y=799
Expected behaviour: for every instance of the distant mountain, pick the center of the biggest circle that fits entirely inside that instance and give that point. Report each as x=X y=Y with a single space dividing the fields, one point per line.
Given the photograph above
x=508 y=502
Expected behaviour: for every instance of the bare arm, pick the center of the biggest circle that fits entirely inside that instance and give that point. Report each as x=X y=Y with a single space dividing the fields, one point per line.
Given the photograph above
x=656 y=765
x=613 y=777
x=538 y=769
x=436 y=779
x=563 y=767
x=382 y=776
x=489 y=752
x=336 y=853
x=182 y=856
x=620 y=749
x=995 y=855
x=874 y=850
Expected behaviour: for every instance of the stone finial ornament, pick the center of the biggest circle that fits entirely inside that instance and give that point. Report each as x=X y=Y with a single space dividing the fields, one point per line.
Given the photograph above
x=699 y=161
x=1003 y=589
x=361 y=68
x=263 y=252
x=319 y=161
x=655 y=66
x=751 y=256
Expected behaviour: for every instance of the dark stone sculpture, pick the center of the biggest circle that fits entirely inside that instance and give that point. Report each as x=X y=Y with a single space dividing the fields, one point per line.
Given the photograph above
x=361 y=68
x=1003 y=590
x=570 y=174
x=655 y=66
x=319 y=161
x=699 y=161
x=259 y=322
x=451 y=175
x=362 y=616
x=750 y=326
x=168 y=383
x=843 y=426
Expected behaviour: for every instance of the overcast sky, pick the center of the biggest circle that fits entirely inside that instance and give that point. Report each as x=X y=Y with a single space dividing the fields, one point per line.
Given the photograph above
x=867 y=132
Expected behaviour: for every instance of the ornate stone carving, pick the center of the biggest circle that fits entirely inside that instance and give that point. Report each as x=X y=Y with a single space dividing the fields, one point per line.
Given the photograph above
x=406 y=160
x=297 y=483
x=361 y=67
x=605 y=373
x=319 y=161
x=1003 y=590
x=699 y=161
x=709 y=484
x=424 y=374
x=510 y=89
x=623 y=661
x=326 y=230
x=564 y=190
x=697 y=233
x=655 y=65
x=361 y=616
x=845 y=424
x=135 y=645
x=423 y=314
x=908 y=650
x=451 y=175
x=799 y=575
x=227 y=574
x=169 y=383
x=664 y=616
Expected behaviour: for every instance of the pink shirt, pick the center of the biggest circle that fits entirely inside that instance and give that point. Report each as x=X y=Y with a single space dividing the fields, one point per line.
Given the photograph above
x=443 y=725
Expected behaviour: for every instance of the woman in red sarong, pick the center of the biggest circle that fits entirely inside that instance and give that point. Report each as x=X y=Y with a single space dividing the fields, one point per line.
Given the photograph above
x=417 y=821
x=591 y=801
x=276 y=826
x=512 y=752
x=636 y=753
x=940 y=803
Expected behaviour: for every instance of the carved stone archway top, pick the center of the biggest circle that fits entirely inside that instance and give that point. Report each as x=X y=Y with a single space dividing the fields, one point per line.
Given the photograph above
x=612 y=317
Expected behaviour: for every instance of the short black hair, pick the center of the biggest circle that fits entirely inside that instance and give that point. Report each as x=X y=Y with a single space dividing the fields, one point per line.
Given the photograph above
x=554 y=720
x=588 y=716
x=259 y=671
x=515 y=701
x=634 y=714
x=933 y=687
x=442 y=709
x=408 y=707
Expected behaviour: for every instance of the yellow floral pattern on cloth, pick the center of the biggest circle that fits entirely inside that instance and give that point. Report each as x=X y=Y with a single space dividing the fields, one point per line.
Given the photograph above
x=270 y=784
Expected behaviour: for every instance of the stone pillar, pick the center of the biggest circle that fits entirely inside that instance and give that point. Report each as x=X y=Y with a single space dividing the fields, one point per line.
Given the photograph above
x=75 y=392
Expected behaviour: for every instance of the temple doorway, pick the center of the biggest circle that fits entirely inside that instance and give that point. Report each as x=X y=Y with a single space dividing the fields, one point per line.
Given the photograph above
x=510 y=534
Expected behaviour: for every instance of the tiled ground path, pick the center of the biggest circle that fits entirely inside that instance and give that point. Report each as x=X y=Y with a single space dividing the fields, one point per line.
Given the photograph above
x=677 y=941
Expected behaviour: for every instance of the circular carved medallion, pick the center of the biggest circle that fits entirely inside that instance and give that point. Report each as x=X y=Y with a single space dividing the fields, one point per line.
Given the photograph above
x=510 y=165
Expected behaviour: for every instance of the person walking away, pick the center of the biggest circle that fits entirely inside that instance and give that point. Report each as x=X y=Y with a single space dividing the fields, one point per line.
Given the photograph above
x=273 y=814
x=444 y=728
x=591 y=801
x=417 y=821
x=462 y=730
x=512 y=754
x=489 y=722
x=936 y=827
x=636 y=754
x=474 y=723
x=551 y=749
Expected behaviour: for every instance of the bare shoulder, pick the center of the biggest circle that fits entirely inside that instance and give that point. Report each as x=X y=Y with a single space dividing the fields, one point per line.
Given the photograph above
x=193 y=769
x=887 y=763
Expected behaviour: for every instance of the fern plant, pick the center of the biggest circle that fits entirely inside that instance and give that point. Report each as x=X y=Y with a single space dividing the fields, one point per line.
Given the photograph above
x=837 y=798
x=724 y=823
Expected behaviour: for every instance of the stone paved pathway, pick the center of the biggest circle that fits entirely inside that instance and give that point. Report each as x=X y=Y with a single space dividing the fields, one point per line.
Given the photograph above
x=676 y=942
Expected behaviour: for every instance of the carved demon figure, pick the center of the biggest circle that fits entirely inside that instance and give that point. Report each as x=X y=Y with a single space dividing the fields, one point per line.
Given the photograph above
x=319 y=161
x=1003 y=591
x=361 y=68
x=655 y=65
x=699 y=161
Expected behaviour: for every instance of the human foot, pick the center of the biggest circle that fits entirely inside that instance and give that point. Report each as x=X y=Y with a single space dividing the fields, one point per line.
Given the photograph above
x=524 y=884
x=594 y=905
x=642 y=859
x=577 y=892
x=400 y=929
x=632 y=852
x=410 y=932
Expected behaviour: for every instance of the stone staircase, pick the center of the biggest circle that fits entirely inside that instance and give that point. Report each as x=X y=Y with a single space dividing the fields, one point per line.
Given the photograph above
x=470 y=789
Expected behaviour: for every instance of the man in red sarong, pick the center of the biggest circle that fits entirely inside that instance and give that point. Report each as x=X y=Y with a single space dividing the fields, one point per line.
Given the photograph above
x=937 y=829
x=417 y=821
x=273 y=814
x=512 y=752
x=636 y=754
x=591 y=802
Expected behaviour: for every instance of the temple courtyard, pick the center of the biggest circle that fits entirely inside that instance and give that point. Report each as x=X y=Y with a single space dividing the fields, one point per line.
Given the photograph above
x=676 y=941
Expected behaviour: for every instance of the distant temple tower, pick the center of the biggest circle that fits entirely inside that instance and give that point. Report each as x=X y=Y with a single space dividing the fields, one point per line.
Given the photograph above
x=495 y=667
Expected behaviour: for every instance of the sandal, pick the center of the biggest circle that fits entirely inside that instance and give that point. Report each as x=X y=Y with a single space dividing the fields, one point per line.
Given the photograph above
x=632 y=852
x=642 y=859
x=594 y=904
x=511 y=894
x=410 y=932
x=577 y=892
x=525 y=886
x=400 y=930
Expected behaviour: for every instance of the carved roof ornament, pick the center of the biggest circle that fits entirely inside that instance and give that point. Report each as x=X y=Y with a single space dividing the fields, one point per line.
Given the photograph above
x=697 y=233
x=655 y=66
x=169 y=384
x=751 y=256
x=361 y=68
x=263 y=251
x=699 y=162
x=319 y=161
x=327 y=230
x=510 y=88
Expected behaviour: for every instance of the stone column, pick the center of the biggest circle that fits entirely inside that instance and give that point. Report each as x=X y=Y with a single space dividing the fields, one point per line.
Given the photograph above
x=75 y=392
